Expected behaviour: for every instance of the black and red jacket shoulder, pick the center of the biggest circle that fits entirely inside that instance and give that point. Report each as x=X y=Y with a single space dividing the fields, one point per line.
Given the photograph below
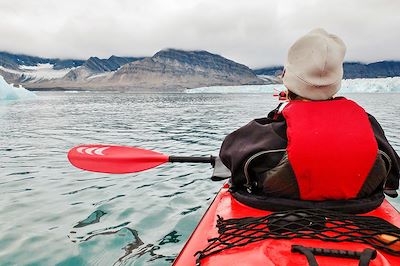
x=312 y=151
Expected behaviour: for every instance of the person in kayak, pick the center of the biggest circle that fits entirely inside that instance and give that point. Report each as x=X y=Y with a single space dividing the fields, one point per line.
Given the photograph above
x=314 y=149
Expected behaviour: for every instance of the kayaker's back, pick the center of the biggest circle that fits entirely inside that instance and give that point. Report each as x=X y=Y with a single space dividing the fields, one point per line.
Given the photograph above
x=320 y=162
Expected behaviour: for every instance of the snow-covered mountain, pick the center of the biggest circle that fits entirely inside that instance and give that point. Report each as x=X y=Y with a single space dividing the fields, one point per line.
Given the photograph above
x=173 y=69
x=169 y=69
x=28 y=70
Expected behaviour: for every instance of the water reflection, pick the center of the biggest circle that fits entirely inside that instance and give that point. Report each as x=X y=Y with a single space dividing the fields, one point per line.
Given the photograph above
x=172 y=237
x=126 y=238
x=91 y=219
x=150 y=250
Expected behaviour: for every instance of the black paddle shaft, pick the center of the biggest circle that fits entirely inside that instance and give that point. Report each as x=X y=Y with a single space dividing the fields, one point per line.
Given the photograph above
x=192 y=159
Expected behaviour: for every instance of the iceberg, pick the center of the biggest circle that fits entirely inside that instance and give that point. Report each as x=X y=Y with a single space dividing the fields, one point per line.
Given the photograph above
x=237 y=89
x=381 y=85
x=9 y=92
x=371 y=85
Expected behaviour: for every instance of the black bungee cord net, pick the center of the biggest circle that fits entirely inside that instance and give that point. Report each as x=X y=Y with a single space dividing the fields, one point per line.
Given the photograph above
x=306 y=224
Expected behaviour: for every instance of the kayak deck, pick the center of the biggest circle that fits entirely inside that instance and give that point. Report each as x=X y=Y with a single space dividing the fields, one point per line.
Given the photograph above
x=271 y=251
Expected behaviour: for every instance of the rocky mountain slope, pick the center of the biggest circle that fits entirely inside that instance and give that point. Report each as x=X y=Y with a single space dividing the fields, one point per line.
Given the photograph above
x=374 y=70
x=169 y=69
x=184 y=69
x=95 y=66
x=352 y=70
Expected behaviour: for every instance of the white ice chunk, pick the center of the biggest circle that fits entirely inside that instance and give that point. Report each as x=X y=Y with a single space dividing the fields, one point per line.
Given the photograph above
x=9 y=92
x=348 y=86
x=237 y=89
x=371 y=85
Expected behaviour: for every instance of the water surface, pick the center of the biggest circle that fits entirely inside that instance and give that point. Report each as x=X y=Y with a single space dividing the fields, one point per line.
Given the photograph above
x=54 y=214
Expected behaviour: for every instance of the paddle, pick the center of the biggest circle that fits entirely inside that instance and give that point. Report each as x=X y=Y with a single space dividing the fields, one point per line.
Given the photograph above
x=115 y=159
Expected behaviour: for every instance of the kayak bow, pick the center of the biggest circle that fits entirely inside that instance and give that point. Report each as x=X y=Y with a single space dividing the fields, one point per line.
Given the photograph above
x=277 y=251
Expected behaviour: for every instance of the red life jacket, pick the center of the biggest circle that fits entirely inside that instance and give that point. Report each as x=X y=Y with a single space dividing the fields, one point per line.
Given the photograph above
x=331 y=147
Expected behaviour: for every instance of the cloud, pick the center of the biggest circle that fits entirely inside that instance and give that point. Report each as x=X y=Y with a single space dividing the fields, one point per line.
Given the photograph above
x=256 y=33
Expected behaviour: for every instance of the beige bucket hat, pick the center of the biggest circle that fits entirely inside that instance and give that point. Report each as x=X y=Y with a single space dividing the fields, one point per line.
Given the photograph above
x=314 y=65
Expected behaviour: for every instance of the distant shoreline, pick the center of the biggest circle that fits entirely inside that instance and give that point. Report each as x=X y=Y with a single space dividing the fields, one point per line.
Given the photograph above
x=55 y=89
x=374 y=85
x=138 y=90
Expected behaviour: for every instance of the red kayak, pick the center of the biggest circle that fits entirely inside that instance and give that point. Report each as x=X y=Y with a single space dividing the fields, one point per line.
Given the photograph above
x=272 y=251
x=231 y=233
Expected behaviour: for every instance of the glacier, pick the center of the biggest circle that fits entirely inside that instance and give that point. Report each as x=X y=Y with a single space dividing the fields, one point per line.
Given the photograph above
x=37 y=72
x=375 y=85
x=9 y=92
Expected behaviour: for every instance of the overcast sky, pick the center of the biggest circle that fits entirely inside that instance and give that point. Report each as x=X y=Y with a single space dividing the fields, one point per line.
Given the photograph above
x=253 y=32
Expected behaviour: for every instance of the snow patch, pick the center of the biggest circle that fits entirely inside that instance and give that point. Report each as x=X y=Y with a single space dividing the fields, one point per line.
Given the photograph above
x=38 y=72
x=38 y=66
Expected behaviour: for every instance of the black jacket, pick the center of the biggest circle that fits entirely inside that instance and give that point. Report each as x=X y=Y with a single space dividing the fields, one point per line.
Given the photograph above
x=269 y=134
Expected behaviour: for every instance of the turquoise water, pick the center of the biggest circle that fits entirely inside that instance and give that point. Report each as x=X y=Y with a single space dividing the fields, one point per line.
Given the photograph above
x=54 y=214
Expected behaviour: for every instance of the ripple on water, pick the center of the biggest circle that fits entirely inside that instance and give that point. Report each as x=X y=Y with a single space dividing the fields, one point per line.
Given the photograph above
x=86 y=188
x=91 y=219
x=54 y=214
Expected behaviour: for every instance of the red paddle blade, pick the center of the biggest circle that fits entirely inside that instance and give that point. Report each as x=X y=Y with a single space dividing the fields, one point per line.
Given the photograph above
x=114 y=159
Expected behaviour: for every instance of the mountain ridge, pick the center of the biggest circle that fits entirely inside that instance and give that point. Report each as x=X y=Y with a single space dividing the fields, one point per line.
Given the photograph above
x=352 y=70
x=167 y=69
x=12 y=61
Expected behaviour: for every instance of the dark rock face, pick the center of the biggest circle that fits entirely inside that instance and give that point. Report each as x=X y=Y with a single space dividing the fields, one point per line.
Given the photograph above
x=13 y=61
x=353 y=70
x=67 y=63
x=8 y=60
x=374 y=70
x=116 y=62
x=269 y=71
x=98 y=65
x=95 y=65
